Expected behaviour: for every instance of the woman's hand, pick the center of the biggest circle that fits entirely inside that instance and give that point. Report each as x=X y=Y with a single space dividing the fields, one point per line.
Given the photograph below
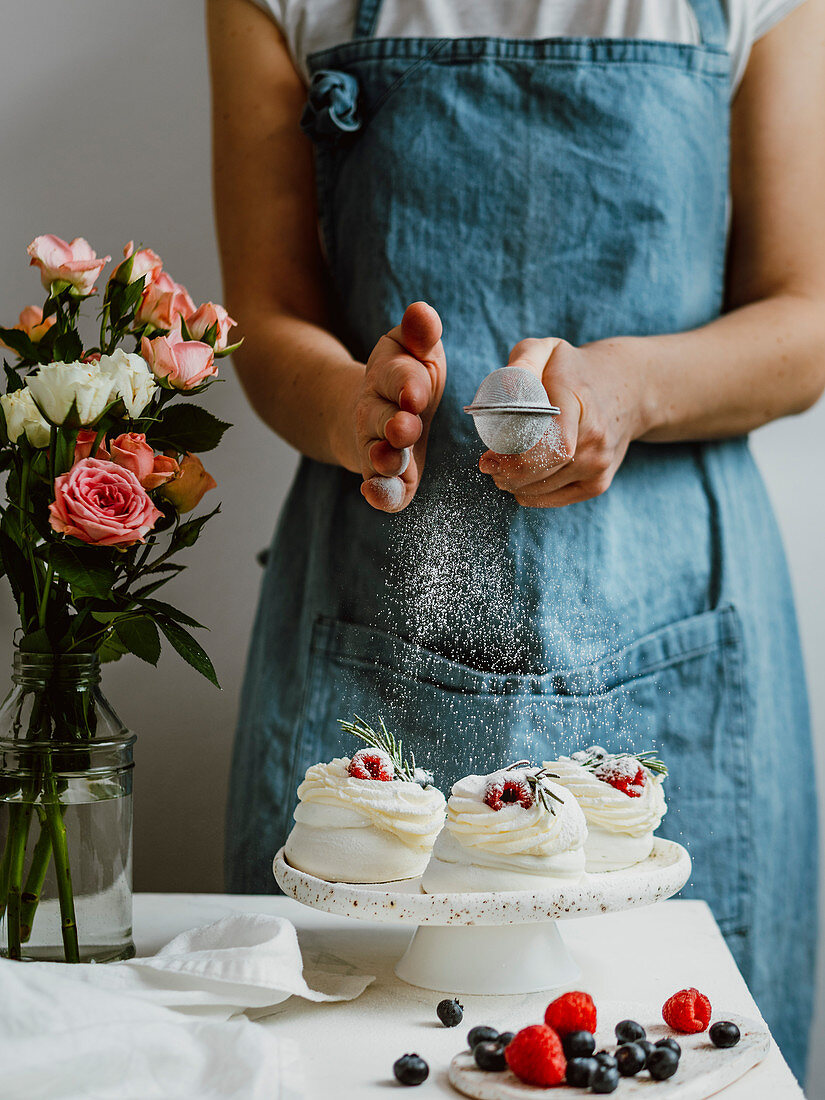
x=394 y=407
x=601 y=397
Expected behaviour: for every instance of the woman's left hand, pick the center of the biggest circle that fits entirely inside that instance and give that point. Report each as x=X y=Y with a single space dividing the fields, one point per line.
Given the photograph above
x=600 y=395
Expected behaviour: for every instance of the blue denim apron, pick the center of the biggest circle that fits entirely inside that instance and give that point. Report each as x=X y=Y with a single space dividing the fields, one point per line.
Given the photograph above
x=574 y=188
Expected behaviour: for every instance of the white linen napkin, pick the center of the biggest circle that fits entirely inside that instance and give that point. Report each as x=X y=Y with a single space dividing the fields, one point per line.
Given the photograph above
x=161 y=1027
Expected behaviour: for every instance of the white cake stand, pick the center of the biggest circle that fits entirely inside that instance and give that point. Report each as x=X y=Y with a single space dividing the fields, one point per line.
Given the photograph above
x=505 y=942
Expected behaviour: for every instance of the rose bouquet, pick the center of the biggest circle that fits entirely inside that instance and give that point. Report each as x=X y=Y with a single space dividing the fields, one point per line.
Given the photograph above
x=100 y=445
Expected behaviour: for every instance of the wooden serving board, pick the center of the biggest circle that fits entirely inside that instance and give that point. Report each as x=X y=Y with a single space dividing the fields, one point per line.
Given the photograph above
x=704 y=1070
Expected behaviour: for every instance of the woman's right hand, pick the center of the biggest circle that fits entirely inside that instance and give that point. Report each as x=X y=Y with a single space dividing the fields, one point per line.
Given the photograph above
x=402 y=388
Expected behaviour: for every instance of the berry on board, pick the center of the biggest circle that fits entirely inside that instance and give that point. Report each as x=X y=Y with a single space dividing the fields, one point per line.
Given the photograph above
x=628 y=1031
x=411 y=1070
x=536 y=1056
x=506 y=1038
x=581 y=1071
x=512 y=790
x=578 y=1044
x=480 y=1035
x=724 y=1034
x=671 y=1044
x=605 y=1079
x=662 y=1063
x=489 y=1055
x=630 y=1059
x=605 y=1058
x=687 y=1011
x=450 y=1013
x=571 y=1012
x=647 y=1046
x=371 y=764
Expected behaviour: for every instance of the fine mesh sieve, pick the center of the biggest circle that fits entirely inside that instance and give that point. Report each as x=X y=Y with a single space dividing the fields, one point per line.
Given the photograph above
x=510 y=410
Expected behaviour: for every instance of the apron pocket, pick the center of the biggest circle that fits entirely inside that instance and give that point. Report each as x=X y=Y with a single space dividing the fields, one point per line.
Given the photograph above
x=679 y=689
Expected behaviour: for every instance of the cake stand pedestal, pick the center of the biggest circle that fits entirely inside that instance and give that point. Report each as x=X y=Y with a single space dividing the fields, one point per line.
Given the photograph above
x=500 y=942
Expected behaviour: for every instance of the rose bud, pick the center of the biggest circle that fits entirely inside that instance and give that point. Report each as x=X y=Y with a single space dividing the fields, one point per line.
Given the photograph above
x=204 y=318
x=177 y=363
x=132 y=452
x=75 y=262
x=163 y=302
x=186 y=490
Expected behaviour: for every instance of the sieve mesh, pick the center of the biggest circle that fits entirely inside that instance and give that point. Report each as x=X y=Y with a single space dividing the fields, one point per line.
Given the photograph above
x=510 y=387
x=511 y=410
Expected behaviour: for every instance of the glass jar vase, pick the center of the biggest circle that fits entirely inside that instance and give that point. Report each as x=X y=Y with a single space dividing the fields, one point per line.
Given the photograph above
x=65 y=815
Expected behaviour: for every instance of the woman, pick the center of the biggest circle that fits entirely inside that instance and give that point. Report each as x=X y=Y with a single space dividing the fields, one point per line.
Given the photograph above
x=556 y=195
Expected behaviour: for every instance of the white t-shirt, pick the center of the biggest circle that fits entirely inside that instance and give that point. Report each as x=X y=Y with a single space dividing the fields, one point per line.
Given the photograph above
x=310 y=25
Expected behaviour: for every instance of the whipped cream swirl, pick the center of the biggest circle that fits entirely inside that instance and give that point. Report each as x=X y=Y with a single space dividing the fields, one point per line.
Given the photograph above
x=330 y=796
x=608 y=808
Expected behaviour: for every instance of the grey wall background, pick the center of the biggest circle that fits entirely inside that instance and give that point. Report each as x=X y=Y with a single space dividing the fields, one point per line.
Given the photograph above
x=105 y=134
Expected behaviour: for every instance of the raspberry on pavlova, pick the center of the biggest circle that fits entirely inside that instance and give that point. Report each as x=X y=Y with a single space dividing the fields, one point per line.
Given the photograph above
x=623 y=801
x=373 y=817
x=514 y=829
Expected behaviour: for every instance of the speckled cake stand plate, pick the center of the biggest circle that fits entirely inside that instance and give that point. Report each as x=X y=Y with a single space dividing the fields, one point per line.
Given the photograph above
x=499 y=942
x=704 y=1070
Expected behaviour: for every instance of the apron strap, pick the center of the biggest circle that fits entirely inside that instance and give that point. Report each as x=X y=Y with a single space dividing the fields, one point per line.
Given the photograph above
x=712 y=17
x=366 y=17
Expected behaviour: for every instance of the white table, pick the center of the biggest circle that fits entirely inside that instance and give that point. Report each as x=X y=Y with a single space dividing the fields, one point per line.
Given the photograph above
x=351 y=1046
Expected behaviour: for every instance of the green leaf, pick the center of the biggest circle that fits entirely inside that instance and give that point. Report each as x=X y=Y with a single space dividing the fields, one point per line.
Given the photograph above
x=13 y=380
x=188 y=533
x=189 y=648
x=228 y=350
x=68 y=346
x=36 y=642
x=184 y=329
x=140 y=636
x=19 y=341
x=158 y=607
x=112 y=648
x=16 y=566
x=187 y=428
x=89 y=574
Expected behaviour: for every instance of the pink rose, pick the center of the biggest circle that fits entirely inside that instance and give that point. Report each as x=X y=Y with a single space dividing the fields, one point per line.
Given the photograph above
x=144 y=262
x=186 y=491
x=85 y=442
x=163 y=301
x=77 y=263
x=205 y=317
x=31 y=322
x=179 y=364
x=103 y=504
x=132 y=452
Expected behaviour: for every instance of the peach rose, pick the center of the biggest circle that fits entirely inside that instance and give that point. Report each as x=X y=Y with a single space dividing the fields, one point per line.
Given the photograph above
x=85 y=442
x=31 y=322
x=205 y=317
x=76 y=262
x=101 y=503
x=177 y=363
x=163 y=301
x=132 y=452
x=145 y=262
x=186 y=491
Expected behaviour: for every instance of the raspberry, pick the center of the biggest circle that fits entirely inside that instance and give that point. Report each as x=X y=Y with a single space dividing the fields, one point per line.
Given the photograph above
x=625 y=774
x=687 y=1011
x=510 y=789
x=536 y=1056
x=371 y=764
x=571 y=1012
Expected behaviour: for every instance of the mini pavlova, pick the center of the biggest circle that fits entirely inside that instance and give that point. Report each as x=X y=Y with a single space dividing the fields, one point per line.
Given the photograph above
x=373 y=817
x=515 y=829
x=623 y=801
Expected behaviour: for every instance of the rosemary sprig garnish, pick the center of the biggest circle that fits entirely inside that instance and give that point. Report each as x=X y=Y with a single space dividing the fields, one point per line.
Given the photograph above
x=385 y=741
x=648 y=760
x=540 y=792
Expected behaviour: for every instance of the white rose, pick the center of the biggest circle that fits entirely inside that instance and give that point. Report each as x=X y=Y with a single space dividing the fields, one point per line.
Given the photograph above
x=134 y=380
x=22 y=415
x=56 y=387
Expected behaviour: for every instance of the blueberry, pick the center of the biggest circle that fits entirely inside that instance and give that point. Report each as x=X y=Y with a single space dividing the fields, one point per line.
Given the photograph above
x=605 y=1058
x=605 y=1079
x=506 y=1038
x=630 y=1059
x=489 y=1055
x=646 y=1046
x=411 y=1070
x=581 y=1071
x=662 y=1063
x=480 y=1035
x=578 y=1044
x=670 y=1044
x=628 y=1031
x=724 y=1034
x=450 y=1013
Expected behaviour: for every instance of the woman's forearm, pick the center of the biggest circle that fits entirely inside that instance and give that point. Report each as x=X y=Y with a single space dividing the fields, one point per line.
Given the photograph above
x=303 y=383
x=753 y=365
